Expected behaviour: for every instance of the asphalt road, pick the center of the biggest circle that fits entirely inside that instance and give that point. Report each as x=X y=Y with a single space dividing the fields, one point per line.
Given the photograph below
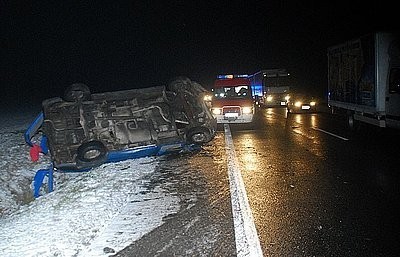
x=314 y=189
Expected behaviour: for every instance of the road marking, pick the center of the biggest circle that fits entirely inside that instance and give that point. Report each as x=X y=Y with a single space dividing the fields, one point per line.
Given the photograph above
x=329 y=133
x=247 y=242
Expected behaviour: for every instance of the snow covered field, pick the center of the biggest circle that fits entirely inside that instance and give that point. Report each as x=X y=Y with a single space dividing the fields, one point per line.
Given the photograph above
x=94 y=213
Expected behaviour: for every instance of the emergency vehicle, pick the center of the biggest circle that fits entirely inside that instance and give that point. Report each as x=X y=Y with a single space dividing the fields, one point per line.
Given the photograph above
x=232 y=100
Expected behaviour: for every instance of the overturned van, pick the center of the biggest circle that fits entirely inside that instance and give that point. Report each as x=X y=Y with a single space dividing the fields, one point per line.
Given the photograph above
x=85 y=129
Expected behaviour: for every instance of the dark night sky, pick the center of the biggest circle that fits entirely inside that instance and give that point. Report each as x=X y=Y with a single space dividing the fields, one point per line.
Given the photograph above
x=47 y=45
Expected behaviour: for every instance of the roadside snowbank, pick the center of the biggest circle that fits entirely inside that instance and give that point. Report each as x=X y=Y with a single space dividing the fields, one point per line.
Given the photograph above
x=92 y=213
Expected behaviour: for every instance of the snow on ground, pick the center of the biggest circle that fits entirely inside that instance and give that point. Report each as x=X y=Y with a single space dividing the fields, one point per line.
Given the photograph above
x=93 y=213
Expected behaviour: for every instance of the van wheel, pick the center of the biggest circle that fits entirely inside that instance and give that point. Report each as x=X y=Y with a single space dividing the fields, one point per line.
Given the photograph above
x=77 y=92
x=199 y=135
x=92 y=153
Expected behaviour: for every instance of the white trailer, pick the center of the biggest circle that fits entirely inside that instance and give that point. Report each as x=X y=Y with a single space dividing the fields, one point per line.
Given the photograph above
x=364 y=79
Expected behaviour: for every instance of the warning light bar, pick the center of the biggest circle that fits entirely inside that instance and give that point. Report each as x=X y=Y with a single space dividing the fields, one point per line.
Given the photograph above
x=231 y=76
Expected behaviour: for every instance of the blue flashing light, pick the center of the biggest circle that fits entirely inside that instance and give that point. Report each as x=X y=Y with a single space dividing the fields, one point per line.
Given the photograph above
x=225 y=76
x=257 y=89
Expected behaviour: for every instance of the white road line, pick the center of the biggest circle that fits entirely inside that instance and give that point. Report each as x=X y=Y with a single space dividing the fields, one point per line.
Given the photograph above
x=247 y=241
x=329 y=133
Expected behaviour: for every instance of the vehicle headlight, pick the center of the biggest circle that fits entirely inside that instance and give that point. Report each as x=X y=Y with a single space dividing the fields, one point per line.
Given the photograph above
x=313 y=103
x=287 y=97
x=217 y=111
x=269 y=98
x=298 y=103
x=207 y=98
x=247 y=110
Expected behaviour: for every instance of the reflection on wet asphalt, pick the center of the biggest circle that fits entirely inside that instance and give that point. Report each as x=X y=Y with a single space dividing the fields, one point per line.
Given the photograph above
x=311 y=193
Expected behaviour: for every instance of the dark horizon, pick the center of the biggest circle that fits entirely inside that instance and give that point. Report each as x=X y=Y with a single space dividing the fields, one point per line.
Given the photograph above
x=115 y=46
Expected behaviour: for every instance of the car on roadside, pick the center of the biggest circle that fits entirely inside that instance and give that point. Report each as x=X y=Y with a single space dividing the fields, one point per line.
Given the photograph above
x=84 y=129
x=301 y=103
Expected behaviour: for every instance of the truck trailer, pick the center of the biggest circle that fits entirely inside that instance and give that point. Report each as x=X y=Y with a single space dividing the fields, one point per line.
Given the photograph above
x=364 y=79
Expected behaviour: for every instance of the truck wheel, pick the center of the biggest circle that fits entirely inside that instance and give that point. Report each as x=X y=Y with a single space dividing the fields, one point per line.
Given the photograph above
x=92 y=153
x=352 y=123
x=199 y=135
x=77 y=92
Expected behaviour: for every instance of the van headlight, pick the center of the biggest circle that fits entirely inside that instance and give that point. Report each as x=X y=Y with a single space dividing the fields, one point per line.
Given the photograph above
x=247 y=110
x=216 y=111
x=207 y=98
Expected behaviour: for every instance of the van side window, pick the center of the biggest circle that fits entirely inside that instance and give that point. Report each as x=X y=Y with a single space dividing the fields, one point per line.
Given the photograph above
x=394 y=81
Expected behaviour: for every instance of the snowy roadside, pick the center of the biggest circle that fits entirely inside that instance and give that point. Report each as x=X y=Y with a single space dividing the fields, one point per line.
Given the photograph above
x=16 y=168
x=89 y=214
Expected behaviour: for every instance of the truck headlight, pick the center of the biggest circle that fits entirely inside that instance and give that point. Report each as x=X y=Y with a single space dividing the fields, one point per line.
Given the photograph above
x=217 y=111
x=247 y=110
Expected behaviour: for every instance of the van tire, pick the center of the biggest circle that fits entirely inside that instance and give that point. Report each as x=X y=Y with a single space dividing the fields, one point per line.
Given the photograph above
x=199 y=135
x=92 y=153
x=77 y=92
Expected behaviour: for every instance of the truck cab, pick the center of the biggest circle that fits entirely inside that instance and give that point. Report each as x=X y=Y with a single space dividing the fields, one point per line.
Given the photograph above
x=232 y=100
x=271 y=87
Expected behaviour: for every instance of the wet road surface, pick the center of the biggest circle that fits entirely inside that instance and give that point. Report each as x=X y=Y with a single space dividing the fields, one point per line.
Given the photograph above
x=314 y=190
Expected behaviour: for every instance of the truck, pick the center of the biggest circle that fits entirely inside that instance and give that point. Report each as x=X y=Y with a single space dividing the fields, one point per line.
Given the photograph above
x=232 y=100
x=364 y=80
x=271 y=87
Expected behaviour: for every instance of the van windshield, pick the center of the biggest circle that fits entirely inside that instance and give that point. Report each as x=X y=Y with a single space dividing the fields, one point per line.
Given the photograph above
x=240 y=91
